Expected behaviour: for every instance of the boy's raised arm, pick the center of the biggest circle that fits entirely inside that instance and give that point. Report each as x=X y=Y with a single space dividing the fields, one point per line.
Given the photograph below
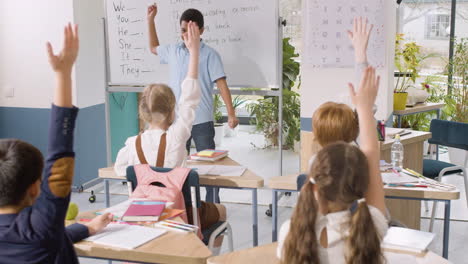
x=152 y=34
x=50 y=208
x=62 y=65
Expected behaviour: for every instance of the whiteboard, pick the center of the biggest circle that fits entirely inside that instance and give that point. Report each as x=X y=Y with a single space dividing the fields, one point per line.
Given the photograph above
x=327 y=43
x=244 y=32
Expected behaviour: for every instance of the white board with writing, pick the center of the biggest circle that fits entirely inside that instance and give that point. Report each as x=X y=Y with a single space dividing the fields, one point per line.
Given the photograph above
x=244 y=32
x=327 y=42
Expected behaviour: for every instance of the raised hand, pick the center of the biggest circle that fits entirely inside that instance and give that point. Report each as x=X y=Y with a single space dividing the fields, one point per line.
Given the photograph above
x=192 y=38
x=360 y=38
x=63 y=62
x=365 y=97
x=152 y=12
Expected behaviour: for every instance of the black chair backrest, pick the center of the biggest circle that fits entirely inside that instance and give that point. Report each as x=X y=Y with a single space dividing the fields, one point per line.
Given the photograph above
x=191 y=181
x=301 y=181
x=449 y=133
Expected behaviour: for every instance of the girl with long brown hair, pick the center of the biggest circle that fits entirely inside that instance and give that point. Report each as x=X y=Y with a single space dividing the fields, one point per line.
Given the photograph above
x=339 y=217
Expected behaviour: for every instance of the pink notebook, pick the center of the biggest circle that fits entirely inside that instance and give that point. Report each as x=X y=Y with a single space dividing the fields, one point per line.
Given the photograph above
x=144 y=211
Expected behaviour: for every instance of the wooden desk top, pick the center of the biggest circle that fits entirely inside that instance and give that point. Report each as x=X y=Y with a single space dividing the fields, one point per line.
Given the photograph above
x=415 y=136
x=262 y=254
x=419 y=108
x=247 y=180
x=266 y=254
x=289 y=183
x=172 y=247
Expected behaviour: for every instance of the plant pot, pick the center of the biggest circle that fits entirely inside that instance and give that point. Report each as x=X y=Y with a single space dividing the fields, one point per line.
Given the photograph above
x=219 y=134
x=399 y=101
x=457 y=156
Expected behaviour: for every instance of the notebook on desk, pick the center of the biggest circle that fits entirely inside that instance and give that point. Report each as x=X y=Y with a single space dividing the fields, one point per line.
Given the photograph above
x=125 y=236
x=144 y=210
x=407 y=240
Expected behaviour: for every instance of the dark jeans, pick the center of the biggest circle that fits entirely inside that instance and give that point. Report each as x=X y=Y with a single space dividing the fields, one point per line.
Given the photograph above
x=203 y=136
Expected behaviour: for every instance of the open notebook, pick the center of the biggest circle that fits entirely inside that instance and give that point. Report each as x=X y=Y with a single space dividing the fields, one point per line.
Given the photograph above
x=125 y=236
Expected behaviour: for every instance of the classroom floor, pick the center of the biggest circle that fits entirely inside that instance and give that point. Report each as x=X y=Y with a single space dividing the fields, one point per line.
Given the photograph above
x=263 y=162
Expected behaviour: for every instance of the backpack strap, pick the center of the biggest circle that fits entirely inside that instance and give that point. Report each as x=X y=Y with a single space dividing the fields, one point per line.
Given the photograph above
x=139 y=150
x=161 y=151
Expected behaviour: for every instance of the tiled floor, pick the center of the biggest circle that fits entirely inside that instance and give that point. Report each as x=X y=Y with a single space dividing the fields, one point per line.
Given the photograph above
x=263 y=162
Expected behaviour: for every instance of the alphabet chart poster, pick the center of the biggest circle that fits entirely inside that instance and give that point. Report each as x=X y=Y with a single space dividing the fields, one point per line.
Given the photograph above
x=327 y=43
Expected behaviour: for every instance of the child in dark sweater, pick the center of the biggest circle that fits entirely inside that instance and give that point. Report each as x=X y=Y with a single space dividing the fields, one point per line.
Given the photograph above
x=33 y=209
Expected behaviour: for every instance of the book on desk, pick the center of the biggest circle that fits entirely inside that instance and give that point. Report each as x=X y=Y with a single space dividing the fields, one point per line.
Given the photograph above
x=407 y=240
x=209 y=155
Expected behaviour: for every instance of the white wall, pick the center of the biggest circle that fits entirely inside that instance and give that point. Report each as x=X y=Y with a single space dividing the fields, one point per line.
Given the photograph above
x=26 y=25
x=330 y=84
x=90 y=66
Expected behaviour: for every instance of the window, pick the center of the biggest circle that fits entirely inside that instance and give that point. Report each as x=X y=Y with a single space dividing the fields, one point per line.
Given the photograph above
x=437 y=26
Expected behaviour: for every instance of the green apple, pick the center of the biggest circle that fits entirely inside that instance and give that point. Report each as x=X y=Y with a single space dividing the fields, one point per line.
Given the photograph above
x=72 y=211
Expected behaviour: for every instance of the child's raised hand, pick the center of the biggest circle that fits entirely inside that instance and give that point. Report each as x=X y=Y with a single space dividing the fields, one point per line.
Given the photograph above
x=99 y=223
x=360 y=38
x=365 y=97
x=192 y=38
x=152 y=12
x=63 y=62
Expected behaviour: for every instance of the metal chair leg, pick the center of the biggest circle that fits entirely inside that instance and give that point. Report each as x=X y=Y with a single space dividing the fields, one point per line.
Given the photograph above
x=434 y=209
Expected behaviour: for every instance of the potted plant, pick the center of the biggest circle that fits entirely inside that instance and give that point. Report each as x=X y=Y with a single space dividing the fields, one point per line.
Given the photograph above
x=456 y=108
x=218 y=119
x=407 y=60
x=265 y=110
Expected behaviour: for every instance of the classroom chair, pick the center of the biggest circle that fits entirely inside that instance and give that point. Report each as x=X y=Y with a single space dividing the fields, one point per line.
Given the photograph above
x=450 y=134
x=191 y=192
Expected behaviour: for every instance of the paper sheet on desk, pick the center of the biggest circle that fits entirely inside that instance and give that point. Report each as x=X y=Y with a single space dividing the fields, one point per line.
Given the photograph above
x=125 y=236
x=221 y=170
x=390 y=177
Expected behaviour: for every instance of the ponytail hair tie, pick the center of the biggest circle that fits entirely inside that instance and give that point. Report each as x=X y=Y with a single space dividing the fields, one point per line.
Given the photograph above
x=355 y=205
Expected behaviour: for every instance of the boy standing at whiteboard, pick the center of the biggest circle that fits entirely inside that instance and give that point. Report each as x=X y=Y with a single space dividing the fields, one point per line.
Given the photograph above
x=211 y=71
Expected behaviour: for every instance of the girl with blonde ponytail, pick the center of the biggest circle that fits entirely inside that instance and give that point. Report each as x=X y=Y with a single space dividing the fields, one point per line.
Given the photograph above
x=157 y=109
x=339 y=217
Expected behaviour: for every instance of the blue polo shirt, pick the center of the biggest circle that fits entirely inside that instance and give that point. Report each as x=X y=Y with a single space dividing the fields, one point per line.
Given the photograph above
x=210 y=69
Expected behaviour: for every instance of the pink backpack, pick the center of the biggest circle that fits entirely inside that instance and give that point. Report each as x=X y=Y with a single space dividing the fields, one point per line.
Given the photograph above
x=165 y=186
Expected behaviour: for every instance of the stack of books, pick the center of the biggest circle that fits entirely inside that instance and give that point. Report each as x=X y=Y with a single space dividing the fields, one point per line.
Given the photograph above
x=209 y=155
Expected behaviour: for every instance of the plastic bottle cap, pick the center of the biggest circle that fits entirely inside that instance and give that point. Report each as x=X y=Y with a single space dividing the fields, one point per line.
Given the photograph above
x=397 y=136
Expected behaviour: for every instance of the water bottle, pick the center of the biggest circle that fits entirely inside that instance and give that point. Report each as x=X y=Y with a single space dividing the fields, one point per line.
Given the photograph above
x=397 y=154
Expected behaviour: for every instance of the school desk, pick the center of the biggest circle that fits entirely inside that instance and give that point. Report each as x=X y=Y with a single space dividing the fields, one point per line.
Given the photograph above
x=172 y=247
x=248 y=181
x=266 y=254
x=413 y=159
x=418 y=108
x=289 y=184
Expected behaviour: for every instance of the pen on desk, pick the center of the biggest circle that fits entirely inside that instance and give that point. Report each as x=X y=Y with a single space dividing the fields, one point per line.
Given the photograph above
x=165 y=224
x=407 y=185
x=182 y=224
